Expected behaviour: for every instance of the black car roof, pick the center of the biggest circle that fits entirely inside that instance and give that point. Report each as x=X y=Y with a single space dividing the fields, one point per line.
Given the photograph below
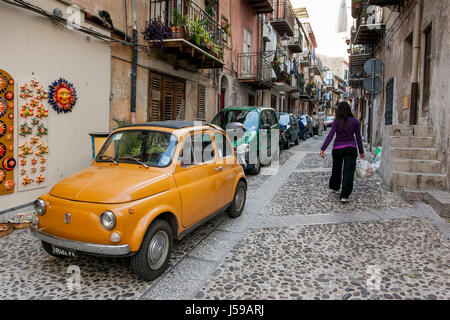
x=171 y=124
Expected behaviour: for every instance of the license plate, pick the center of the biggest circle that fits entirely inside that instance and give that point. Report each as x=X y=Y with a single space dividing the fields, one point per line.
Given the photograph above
x=64 y=252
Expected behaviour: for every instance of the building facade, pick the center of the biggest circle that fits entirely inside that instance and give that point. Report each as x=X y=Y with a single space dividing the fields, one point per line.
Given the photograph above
x=410 y=111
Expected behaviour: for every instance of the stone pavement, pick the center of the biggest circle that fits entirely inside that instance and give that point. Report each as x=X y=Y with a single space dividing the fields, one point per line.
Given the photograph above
x=293 y=241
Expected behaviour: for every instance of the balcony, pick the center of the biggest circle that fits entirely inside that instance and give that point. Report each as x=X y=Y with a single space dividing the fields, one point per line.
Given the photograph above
x=185 y=33
x=317 y=67
x=261 y=6
x=356 y=66
x=295 y=43
x=305 y=60
x=283 y=18
x=385 y=2
x=370 y=26
x=254 y=70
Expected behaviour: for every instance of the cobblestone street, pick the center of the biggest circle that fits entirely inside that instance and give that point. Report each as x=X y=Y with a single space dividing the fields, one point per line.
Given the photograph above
x=295 y=240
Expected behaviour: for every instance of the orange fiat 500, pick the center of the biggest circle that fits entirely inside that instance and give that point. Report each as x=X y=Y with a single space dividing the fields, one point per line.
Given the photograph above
x=149 y=184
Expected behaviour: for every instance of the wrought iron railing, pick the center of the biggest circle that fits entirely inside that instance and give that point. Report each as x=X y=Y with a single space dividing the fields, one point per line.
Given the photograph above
x=296 y=39
x=282 y=11
x=255 y=66
x=369 y=14
x=188 y=21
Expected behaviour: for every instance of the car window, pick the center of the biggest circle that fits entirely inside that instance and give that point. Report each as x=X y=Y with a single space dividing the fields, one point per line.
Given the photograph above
x=273 y=118
x=264 y=118
x=249 y=118
x=151 y=148
x=197 y=149
x=224 y=148
x=284 y=119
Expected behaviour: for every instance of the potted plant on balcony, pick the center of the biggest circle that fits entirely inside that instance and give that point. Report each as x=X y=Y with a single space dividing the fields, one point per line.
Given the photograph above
x=177 y=22
x=356 y=5
x=156 y=31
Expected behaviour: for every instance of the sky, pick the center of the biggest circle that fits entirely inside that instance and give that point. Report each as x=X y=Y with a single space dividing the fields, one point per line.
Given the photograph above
x=323 y=16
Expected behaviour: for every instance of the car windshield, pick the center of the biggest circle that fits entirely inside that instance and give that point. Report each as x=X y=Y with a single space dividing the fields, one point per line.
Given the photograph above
x=284 y=118
x=249 y=118
x=144 y=147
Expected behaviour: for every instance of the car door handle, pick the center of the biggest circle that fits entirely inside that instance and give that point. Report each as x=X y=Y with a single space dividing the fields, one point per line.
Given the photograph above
x=219 y=168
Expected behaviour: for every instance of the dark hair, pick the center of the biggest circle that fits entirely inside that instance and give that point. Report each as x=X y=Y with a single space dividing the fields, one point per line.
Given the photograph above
x=344 y=112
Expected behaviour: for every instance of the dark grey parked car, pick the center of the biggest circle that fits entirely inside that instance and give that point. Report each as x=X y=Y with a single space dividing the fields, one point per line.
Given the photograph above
x=307 y=122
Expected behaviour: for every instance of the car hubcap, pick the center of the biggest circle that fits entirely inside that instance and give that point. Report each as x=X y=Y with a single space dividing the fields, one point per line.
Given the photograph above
x=240 y=198
x=158 y=249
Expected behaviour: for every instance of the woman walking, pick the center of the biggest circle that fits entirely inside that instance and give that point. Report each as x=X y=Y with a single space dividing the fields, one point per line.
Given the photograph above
x=346 y=127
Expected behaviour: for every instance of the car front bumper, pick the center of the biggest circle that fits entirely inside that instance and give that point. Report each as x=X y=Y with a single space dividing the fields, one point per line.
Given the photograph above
x=90 y=248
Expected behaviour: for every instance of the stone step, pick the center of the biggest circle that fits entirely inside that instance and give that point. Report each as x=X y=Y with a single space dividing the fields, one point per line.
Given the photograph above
x=440 y=201
x=418 y=180
x=411 y=142
x=414 y=153
x=414 y=165
x=410 y=131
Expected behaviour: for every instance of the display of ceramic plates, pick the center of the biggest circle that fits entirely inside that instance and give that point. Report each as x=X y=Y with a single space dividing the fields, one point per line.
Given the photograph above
x=9 y=163
x=3 y=107
x=3 y=83
x=2 y=175
x=21 y=221
x=3 y=128
x=2 y=150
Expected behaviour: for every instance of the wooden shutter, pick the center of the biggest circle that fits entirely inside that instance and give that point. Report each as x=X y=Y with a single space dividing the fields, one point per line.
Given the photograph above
x=388 y=115
x=168 y=101
x=179 y=99
x=154 y=98
x=201 y=114
x=427 y=73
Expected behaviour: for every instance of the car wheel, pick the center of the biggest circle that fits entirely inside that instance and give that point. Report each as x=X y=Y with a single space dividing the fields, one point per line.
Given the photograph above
x=305 y=136
x=288 y=143
x=237 y=206
x=255 y=168
x=153 y=256
x=48 y=248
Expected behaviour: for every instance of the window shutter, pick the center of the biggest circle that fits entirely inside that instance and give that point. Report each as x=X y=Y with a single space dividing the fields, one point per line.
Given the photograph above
x=168 y=101
x=179 y=100
x=154 y=99
x=201 y=114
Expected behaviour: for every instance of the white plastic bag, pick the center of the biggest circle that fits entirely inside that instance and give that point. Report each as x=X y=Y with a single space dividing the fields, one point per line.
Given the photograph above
x=364 y=169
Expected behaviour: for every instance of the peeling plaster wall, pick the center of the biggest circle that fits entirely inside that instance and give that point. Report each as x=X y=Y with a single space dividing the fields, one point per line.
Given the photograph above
x=398 y=65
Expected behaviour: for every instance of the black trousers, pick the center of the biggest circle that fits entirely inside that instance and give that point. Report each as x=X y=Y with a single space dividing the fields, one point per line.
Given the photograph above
x=346 y=156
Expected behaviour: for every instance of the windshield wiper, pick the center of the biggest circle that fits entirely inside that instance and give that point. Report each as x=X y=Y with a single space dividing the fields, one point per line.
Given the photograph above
x=108 y=158
x=136 y=160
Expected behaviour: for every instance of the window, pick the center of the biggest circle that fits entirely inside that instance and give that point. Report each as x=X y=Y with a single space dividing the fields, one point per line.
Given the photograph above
x=247 y=48
x=201 y=105
x=427 y=73
x=224 y=148
x=166 y=98
x=264 y=118
x=197 y=149
x=388 y=115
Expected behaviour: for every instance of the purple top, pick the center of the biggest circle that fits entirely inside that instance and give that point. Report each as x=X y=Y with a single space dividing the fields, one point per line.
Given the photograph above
x=345 y=138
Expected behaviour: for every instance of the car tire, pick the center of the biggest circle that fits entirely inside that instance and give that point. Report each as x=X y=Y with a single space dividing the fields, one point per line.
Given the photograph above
x=237 y=206
x=305 y=136
x=48 y=249
x=288 y=143
x=153 y=256
x=255 y=168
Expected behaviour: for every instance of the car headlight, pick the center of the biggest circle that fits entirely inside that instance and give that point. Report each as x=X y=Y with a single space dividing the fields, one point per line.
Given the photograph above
x=108 y=220
x=39 y=207
x=243 y=148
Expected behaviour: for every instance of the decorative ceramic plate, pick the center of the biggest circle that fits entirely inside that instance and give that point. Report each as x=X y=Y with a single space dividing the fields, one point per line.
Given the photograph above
x=5 y=229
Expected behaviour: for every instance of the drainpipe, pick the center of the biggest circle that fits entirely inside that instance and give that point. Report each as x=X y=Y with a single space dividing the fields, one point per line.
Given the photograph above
x=134 y=64
x=415 y=66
